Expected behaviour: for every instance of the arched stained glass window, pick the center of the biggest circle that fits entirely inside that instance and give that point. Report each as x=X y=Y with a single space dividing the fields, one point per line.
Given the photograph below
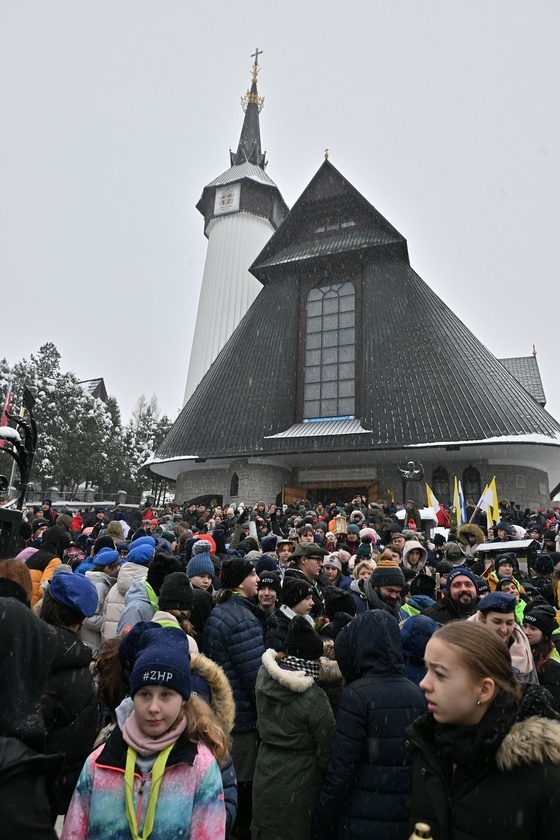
x=471 y=484
x=330 y=352
x=234 y=485
x=440 y=484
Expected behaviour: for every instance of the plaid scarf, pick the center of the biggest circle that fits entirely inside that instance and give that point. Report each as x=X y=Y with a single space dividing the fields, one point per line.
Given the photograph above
x=296 y=664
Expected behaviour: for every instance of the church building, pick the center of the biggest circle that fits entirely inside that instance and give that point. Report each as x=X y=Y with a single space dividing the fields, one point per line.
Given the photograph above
x=335 y=362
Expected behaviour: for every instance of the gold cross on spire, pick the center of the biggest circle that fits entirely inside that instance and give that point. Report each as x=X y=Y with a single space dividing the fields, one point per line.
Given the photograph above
x=256 y=67
x=326 y=154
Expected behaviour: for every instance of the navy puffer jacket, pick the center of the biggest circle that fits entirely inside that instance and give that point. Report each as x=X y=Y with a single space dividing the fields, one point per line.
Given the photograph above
x=368 y=776
x=233 y=638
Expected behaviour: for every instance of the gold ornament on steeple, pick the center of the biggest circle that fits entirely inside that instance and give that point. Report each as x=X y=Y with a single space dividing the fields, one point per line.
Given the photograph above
x=326 y=154
x=249 y=96
x=534 y=354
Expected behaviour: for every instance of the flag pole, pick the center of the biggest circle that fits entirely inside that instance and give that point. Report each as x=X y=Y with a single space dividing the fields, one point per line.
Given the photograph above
x=474 y=514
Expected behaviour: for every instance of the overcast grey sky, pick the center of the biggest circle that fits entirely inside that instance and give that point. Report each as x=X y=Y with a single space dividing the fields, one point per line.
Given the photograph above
x=114 y=114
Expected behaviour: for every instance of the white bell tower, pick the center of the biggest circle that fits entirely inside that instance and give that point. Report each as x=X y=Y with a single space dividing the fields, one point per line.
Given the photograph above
x=242 y=208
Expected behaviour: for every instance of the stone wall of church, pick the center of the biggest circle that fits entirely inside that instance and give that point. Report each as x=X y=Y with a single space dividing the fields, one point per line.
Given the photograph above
x=527 y=486
x=254 y=482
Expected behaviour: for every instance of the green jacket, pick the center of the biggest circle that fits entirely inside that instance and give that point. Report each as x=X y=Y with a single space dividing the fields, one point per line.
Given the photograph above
x=295 y=723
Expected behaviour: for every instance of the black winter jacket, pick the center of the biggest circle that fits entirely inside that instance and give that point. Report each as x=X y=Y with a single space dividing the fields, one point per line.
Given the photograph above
x=233 y=638
x=276 y=631
x=27 y=791
x=504 y=785
x=444 y=611
x=69 y=708
x=366 y=788
x=27 y=777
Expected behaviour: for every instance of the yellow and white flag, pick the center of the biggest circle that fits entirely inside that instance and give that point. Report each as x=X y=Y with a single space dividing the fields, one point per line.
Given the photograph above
x=488 y=502
x=432 y=501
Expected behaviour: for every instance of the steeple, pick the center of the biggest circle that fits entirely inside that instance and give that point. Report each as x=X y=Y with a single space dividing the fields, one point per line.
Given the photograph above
x=249 y=146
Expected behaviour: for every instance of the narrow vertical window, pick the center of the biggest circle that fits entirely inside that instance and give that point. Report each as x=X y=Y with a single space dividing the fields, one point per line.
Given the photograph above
x=330 y=353
x=440 y=484
x=234 y=485
x=471 y=484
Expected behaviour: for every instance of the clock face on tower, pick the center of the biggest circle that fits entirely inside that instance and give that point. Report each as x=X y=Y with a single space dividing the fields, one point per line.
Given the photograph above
x=227 y=199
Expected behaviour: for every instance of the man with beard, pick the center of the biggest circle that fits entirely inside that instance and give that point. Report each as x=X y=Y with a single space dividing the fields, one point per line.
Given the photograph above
x=460 y=600
x=384 y=586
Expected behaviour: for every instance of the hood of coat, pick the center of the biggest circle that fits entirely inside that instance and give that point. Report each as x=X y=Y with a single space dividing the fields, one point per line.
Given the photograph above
x=101 y=579
x=283 y=683
x=136 y=592
x=416 y=632
x=531 y=741
x=128 y=573
x=369 y=644
x=466 y=530
x=421 y=602
x=355 y=587
x=408 y=546
x=330 y=673
x=221 y=695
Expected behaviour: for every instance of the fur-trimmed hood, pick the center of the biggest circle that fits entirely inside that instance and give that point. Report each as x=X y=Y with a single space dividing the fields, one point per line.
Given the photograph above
x=531 y=741
x=295 y=681
x=466 y=530
x=330 y=673
x=221 y=695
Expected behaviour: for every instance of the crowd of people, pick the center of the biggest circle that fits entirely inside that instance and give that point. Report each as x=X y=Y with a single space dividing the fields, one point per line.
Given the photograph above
x=323 y=672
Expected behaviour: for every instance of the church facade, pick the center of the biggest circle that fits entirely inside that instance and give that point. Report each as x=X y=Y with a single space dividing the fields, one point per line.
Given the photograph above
x=346 y=366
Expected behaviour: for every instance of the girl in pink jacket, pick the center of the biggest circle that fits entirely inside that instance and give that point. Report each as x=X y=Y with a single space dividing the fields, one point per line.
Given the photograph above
x=159 y=777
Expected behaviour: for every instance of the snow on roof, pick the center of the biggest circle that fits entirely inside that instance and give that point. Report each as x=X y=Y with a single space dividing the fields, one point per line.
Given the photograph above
x=322 y=427
x=243 y=170
x=534 y=437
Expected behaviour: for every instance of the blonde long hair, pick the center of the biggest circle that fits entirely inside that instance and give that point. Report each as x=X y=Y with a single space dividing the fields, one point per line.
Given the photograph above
x=203 y=727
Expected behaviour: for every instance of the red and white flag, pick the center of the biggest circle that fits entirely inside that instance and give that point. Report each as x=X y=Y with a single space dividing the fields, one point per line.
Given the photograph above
x=7 y=409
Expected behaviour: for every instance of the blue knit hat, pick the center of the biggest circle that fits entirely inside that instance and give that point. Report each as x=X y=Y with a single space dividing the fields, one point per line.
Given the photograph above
x=163 y=660
x=75 y=592
x=106 y=557
x=456 y=572
x=141 y=551
x=200 y=564
x=266 y=563
x=268 y=543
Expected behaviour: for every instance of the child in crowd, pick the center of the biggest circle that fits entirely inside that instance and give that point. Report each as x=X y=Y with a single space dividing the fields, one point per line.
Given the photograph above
x=166 y=756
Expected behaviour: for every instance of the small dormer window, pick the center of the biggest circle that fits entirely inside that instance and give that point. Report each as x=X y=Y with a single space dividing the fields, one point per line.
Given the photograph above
x=334 y=223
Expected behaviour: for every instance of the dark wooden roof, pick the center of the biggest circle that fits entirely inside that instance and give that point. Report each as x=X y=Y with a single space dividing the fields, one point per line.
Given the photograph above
x=96 y=388
x=526 y=371
x=328 y=196
x=425 y=378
